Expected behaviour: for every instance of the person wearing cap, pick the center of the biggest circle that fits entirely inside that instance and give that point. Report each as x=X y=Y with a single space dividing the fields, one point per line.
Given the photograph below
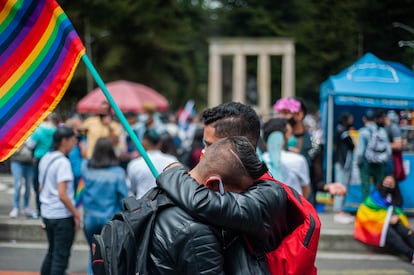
x=59 y=214
x=139 y=174
x=373 y=121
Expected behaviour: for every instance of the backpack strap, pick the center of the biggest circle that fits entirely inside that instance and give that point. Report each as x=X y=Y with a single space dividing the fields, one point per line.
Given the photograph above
x=131 y=203
x=47 y=169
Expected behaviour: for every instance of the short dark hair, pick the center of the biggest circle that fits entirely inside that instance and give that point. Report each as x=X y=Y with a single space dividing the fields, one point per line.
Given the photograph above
x=344 y=117
x=233 y=119
x=152 y=136
x=369 y=114
x=103 y=155
x=61 y=133
x=273 y=125
x=302 y=106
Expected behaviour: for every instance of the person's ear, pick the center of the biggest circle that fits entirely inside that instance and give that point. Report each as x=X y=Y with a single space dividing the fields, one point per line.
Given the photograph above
x=214 y=183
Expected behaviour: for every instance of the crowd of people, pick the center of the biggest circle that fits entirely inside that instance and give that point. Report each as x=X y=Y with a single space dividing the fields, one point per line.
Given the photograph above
x=102 y=159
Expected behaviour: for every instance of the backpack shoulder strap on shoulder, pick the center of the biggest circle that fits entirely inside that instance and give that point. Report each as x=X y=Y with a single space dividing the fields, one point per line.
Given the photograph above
x=131 y=203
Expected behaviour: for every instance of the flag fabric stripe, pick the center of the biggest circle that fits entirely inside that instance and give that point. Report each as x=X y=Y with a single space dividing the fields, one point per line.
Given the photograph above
x=6 y=15
x=38 y=75
x=39 y=52
x=17 y=51
x=45 y=92
x=19 y=54
x=48 y=60
x=18 y=23
x=41 y=110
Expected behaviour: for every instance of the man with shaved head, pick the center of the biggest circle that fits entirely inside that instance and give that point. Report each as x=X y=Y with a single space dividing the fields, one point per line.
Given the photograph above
x=181 y=244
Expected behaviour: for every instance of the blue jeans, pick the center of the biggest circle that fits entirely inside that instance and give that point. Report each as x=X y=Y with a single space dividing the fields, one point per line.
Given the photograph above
x=342 y=176
x=19 y=171
x=60 y=235
x=92 y=225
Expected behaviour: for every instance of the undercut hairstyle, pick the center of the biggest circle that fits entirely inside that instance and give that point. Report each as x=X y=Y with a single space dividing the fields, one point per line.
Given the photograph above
x=103 y=155
x=273 y=125
x=233 y=119
x=233 y=158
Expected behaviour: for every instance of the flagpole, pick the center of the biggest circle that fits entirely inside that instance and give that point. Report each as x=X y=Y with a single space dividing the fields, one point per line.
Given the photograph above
x=119 y=113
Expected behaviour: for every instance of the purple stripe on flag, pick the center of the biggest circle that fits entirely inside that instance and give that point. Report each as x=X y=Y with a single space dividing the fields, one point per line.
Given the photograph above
x=21 y=113
x=22 y=35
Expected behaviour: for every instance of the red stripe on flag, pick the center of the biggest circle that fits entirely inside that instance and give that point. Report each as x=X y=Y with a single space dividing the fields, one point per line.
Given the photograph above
x=27 y=45
x=31 y=118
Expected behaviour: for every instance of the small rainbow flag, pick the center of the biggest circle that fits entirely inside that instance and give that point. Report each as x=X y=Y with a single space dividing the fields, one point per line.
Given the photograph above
x=39 y=52
x=79 y=192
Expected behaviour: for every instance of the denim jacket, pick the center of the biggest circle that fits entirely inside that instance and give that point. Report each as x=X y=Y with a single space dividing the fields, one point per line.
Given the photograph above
x=105 y=188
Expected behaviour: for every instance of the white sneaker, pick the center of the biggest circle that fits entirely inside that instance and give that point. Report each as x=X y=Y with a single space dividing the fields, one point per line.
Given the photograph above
x=14 y=213
x=30 y=213
x=343 y=218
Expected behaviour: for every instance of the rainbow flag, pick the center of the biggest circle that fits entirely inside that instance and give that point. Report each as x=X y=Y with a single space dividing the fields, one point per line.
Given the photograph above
x=372 y=219
x=39 y=52
x=79 y=192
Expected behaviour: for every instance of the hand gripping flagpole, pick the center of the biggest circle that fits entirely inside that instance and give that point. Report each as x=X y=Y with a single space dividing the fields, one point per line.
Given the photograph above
x=119 y=113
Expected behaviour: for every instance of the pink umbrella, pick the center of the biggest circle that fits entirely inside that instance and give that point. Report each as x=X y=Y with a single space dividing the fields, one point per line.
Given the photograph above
x=129 y=96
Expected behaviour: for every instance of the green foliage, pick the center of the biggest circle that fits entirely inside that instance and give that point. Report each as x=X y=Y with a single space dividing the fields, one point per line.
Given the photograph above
x=163 y=43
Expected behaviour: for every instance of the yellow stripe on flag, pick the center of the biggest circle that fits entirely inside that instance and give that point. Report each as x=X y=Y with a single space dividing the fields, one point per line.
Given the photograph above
x=32 y=56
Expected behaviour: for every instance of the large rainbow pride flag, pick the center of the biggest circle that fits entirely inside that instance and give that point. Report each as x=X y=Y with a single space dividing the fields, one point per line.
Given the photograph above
x=39 y=52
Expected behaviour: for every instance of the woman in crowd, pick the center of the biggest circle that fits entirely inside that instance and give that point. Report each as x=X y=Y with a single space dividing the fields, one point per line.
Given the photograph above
x=380 y=220
x=105 y=188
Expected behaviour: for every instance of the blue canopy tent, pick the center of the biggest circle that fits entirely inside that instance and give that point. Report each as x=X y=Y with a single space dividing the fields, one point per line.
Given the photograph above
x=368 y=83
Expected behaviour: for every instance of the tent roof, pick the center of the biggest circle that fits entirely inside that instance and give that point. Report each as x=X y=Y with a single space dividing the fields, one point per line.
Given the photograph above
x=371 y=78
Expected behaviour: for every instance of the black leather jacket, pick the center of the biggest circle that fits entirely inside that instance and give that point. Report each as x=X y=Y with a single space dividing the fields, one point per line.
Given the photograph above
x=259 y=213
x=182 y=245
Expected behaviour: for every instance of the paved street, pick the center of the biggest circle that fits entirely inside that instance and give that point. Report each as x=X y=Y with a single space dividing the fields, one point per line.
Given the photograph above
x=26 y=258
x=22 y=253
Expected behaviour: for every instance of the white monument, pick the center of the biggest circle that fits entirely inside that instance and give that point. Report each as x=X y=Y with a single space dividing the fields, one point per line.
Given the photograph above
x=239 y=48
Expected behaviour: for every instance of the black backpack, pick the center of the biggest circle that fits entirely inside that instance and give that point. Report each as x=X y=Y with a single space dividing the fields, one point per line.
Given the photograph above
x=122 y=246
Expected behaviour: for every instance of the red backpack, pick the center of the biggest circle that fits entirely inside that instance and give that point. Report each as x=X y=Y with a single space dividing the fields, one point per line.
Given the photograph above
x=297 y=252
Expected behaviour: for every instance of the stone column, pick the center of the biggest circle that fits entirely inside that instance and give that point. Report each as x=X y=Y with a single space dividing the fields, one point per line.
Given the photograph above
x=288 y=75
x=239 y=78
x=214 y=80
x=263 y=83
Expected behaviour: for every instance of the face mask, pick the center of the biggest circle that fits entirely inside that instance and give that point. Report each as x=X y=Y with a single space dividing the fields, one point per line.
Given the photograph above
x=291 y=121
x=389 y=190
